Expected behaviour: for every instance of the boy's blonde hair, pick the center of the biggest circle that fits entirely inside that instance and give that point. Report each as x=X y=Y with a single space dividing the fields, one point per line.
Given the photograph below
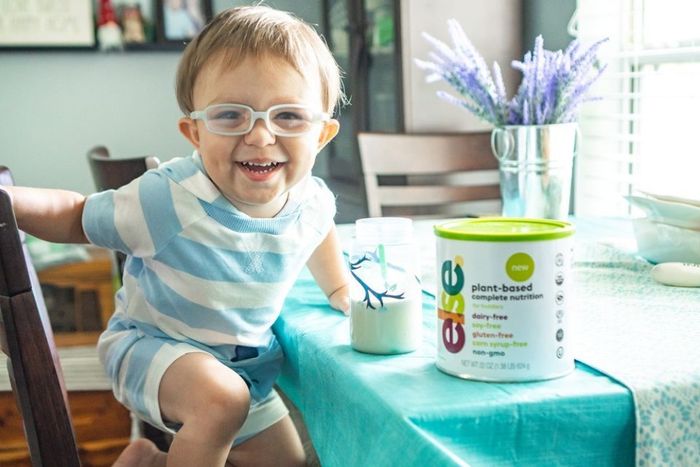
x=256 y=31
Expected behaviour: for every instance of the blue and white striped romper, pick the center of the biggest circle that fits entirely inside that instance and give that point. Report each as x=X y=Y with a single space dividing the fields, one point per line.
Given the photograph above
x=200 y=276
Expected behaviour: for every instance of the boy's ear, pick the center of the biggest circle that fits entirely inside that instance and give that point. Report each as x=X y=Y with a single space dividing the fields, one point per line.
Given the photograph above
x=188 y=128
x=330 y=129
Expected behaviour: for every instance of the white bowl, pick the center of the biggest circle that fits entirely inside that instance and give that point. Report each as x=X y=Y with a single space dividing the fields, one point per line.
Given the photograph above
x=672 y=199
x=660 y=242
x=684 y=214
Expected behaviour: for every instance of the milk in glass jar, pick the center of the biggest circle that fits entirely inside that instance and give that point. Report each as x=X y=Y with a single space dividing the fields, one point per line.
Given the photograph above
x=385 y=294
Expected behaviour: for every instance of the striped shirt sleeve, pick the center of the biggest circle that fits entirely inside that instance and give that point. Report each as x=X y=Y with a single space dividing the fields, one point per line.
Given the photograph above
x=137 y=219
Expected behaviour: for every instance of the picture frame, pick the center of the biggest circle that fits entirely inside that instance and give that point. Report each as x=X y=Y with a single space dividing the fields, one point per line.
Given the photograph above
x=179 y=21
x=37 y=24
x=132 y=23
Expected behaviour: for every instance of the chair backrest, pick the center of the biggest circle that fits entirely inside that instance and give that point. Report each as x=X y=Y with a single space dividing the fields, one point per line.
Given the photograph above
x=26 y=337
x=109 y=173
x=429 y=175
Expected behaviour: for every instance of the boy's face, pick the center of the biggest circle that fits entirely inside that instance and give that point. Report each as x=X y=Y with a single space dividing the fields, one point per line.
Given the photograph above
x=230 y=160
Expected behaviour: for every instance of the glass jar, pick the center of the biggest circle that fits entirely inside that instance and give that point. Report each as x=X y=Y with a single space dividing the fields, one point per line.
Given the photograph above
x=385 y=295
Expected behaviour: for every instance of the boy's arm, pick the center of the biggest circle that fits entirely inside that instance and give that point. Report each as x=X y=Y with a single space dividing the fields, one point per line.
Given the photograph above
x=328 y=268
x=52 y=215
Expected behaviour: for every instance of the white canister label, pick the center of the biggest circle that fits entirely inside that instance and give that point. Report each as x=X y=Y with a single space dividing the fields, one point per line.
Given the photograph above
x=503 y=309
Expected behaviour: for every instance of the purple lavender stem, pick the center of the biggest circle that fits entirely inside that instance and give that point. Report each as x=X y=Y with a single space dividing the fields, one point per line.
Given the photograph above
x=553 y=84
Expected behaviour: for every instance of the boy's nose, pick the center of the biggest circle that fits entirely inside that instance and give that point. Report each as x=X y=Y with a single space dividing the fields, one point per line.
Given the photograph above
x=259 y=135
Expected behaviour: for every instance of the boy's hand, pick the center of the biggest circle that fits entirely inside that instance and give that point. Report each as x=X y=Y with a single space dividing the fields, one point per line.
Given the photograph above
x=340 y=299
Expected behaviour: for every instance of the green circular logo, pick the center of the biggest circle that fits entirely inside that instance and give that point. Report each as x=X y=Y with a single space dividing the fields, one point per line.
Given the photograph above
x=520 y=267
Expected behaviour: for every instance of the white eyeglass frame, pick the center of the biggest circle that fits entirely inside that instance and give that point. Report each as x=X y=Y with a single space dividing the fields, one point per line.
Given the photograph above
x=264 y=115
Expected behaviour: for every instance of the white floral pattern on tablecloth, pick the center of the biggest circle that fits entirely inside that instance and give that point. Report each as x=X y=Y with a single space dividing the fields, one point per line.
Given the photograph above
x=644 y=335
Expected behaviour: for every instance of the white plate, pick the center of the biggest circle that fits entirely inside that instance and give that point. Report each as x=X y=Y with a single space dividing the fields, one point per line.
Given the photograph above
x=672 y=199
x=659 y=242
x=669 y=212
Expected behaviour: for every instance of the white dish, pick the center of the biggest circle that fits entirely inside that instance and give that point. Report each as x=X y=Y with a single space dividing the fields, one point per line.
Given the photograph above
x=659 y=242
x=674 y=213
x=672 y=199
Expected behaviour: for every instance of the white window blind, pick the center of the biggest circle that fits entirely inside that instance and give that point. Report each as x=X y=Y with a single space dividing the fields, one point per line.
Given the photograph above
x=644 y=134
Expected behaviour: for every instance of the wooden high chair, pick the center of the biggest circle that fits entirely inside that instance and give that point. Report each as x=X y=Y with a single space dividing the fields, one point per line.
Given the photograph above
x=35 y=371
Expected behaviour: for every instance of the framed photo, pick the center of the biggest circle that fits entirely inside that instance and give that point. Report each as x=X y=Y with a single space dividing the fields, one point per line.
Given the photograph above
x=31 y=24
x=181 y=20
x=133 y=29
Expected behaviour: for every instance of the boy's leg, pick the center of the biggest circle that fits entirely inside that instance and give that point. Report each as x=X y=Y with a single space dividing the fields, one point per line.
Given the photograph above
x=211 y=401
x=277 y=445
x=141 y=453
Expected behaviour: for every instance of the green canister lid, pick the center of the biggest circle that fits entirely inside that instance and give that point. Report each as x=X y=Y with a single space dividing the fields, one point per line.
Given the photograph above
x=504 y=229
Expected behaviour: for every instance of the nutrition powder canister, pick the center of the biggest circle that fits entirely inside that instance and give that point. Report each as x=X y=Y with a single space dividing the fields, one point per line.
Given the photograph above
x=503 y=295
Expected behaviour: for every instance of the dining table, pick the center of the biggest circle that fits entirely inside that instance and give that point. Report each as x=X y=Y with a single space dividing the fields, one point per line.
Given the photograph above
x=632 y=399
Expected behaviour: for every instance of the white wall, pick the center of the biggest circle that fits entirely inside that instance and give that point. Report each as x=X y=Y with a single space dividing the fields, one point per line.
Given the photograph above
x=54 y=106
x=494 y=27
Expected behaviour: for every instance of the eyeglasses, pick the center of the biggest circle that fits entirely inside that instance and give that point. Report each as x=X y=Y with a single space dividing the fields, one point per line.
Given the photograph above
x=238 y=119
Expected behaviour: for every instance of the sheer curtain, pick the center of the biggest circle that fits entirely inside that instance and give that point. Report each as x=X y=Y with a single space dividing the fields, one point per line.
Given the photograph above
x=644 y=132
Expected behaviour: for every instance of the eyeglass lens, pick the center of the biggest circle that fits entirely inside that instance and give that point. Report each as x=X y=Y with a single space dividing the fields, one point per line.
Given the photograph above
x=232 y=119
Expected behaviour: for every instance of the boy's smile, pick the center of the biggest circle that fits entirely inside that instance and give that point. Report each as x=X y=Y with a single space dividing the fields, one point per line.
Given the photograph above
x=260 y=170
x=255 y=171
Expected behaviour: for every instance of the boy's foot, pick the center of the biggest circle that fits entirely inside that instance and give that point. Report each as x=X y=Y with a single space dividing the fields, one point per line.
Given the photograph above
x=141 y=453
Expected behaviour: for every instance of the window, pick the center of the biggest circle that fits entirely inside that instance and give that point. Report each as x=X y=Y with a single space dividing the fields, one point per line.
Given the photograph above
x=644 y=132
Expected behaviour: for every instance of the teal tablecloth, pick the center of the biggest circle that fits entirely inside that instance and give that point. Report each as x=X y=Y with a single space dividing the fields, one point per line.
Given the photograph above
x=364 y=410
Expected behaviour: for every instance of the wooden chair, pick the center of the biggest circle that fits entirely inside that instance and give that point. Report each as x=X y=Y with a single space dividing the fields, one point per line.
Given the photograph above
x=429 y=175
x=93 y=276
x=27 y=339
x=102 y=426
x=111 y=173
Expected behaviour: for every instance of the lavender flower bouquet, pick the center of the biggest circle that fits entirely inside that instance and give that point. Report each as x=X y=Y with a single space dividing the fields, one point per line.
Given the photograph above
x=553 y=86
